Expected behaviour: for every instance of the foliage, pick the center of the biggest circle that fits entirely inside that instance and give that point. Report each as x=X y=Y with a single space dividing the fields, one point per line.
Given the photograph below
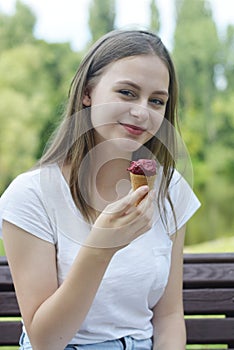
x=17 y=29
x=101 y=17
x=59 y=65
x=34 y=80
x=206 y=115
x=154 y=17
x=228 y=57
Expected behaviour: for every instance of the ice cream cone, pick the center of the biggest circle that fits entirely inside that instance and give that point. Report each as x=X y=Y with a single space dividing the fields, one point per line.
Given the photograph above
x=141 y=180
x=142 y=172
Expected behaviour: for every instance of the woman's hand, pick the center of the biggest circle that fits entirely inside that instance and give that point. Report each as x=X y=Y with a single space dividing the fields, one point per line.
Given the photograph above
x=121 y=222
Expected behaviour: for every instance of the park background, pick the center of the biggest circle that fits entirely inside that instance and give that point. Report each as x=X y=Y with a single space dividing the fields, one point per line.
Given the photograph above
x=35 y=74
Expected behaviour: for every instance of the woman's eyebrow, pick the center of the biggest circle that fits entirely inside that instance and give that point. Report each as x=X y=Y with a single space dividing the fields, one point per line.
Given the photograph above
x=129 y=82
x=136 y=86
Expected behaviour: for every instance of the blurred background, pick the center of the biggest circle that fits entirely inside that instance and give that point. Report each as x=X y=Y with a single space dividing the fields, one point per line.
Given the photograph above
x=41 y=45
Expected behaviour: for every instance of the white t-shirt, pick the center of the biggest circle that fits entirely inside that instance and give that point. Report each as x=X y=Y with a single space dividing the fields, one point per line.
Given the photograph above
x=40 y=202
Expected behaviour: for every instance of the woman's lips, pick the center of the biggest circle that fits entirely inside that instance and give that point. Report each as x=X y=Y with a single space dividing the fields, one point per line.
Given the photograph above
x=132 y=129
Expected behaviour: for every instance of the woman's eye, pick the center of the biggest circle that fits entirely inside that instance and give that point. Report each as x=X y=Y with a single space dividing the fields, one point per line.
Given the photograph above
x=126 y=93
x=157 y=101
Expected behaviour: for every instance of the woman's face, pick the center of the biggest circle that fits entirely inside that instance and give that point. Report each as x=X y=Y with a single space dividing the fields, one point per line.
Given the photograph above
x=128 y=102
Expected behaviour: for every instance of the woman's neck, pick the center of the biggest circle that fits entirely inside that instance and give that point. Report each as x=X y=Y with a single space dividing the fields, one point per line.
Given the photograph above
x=108 y=180
x=111 y=179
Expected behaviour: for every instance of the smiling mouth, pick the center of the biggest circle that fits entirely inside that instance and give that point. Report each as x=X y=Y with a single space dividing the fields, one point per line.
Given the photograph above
x=133 y=129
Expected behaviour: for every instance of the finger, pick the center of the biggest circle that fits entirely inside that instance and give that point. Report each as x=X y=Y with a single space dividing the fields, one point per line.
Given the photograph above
x=138 y=217
x=147 y=200
x=139 y=194
x=150 y=195
x=140 y=227
x=122 y=206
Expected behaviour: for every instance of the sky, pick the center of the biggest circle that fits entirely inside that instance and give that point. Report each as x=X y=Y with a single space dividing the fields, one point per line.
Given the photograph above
x=67 y=20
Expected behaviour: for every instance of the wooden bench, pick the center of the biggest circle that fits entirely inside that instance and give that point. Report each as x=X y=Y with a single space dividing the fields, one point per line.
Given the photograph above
x=208 y=291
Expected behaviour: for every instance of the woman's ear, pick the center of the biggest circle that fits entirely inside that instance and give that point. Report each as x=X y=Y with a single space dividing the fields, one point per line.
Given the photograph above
x=86 y=99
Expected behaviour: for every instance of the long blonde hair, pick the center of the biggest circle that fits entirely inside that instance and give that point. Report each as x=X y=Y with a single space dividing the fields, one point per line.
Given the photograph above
x=111 y=47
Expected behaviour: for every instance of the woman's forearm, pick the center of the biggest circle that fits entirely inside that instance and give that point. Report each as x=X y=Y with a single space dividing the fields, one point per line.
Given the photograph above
x=169 y=333
x=58 y=318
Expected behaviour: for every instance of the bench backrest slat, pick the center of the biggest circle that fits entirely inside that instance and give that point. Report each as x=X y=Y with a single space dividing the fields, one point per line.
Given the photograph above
x=10 y=333
x=209 y=301
x=8 y=305
x=210 y=275
x=209 y=258
x=211 y=331
x=5 y=279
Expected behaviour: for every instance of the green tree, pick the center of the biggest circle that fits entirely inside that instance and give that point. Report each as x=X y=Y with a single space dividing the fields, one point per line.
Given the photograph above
x=59 y=65
x=198 y=54
x=23 y=107
x=101 y=17
x=196 y=50
x=154 y=17
x=17 y=29
x=228 y=58
x=18 y=139
x=34 y=82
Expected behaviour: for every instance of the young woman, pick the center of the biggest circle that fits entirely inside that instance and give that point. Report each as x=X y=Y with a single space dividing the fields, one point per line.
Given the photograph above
x=91 y=269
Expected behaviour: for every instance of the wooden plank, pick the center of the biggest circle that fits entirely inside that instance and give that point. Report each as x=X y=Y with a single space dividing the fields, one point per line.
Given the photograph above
x=210 y=330
x=209 y=275
x=3 y=260
x=10 y=333
x=188 y=258
x=6 y=283
x=8 y=304
x=209 y=301
x=209 y=258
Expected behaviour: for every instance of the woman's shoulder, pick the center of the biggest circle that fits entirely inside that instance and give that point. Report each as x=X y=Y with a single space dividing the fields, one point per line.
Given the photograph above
x=29 y=178
x=22 y=204
x=22 y=184
x=28 y=182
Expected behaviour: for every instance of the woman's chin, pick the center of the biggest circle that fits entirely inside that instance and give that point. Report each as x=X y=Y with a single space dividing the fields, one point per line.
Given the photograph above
x=126 y=145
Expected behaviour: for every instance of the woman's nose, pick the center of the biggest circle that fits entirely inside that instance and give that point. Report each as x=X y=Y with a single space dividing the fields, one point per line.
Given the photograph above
x=139 y=111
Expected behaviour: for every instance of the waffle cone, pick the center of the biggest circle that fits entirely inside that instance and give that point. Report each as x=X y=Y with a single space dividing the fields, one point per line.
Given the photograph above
x=141 y=180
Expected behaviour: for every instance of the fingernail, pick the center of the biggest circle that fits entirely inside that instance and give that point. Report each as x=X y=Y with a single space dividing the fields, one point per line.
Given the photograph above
x=145 y=188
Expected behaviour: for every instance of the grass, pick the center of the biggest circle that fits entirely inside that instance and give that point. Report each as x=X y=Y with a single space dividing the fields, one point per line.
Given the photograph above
x=221 y=245
x=188 y=347
x=1 y=251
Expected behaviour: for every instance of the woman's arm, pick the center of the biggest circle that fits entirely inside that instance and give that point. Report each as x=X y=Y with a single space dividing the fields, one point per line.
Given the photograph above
x=168 y=321
x=52 y=314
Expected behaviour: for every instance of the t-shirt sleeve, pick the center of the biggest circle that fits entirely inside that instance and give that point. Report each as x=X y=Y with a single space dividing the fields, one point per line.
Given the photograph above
x=185 y=203
x=21 y=205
